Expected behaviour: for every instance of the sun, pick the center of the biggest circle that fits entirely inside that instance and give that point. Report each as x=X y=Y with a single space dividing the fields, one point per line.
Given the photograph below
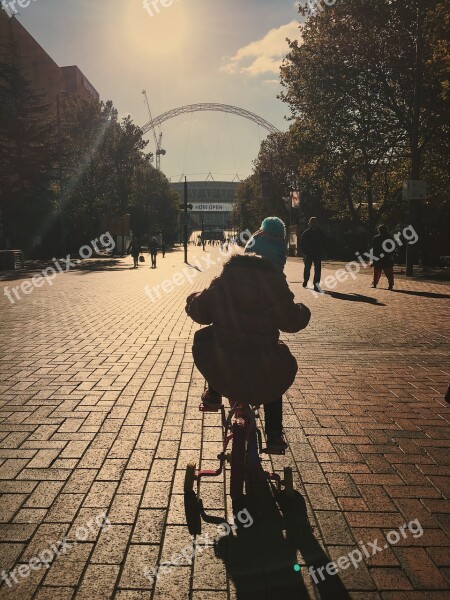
x=159 y=30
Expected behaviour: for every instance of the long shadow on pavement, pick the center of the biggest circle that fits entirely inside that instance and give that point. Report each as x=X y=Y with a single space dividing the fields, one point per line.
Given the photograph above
x=422 y=294
x=355 y=298
x=37 y=267
x=260 y=559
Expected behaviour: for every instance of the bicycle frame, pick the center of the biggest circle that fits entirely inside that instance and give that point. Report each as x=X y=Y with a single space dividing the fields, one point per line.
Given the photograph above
x=242 y=415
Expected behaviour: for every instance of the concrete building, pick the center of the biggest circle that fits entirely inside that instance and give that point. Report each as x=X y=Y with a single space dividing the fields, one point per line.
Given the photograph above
x=77 y=83
x=38 y=67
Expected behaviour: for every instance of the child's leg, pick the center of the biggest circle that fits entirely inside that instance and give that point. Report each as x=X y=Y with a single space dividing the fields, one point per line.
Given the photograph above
x=273 y=413
x=276 y=442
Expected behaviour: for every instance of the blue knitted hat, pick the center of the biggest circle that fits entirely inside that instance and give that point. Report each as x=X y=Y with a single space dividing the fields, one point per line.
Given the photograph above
x=274 y=226
x=269 y=241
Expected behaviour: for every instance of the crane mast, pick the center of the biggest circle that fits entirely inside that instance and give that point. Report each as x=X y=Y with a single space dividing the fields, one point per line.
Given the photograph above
x=158 y=139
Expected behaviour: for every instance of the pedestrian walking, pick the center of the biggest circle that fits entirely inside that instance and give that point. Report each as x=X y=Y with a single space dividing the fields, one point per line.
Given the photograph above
x=153 y=250
x=134 y=249
x=382 y=260
x=312 y=243
x=163 y=249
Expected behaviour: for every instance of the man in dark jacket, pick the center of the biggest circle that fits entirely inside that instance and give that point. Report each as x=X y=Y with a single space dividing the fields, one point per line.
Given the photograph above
x=240 y=353
x=382 y=257
x=312 y=243
x=153 y=250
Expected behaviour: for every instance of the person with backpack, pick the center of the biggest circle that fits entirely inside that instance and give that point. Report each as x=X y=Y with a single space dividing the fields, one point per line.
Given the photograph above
x=134 y=249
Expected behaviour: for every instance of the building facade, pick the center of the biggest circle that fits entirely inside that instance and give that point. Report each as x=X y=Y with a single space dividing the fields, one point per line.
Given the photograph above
x=212 y=204
x=37 y=66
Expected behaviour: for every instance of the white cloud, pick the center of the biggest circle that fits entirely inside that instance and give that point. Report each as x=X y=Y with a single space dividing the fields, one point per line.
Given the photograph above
x=264 y=55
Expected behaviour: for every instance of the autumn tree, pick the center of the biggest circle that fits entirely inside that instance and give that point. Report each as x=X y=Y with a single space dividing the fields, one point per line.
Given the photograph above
x=349 y=83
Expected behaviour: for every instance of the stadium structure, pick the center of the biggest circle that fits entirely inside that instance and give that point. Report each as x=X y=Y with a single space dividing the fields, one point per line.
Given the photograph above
x=212 y=206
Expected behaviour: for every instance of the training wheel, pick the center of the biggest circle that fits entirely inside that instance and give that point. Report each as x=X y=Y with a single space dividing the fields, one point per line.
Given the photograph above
x=189 y=477
x=288 y=482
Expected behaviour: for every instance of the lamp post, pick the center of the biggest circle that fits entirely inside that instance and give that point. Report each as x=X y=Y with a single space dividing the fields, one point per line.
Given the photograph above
x=60 y=170
x=415 y=137
x=185 y=208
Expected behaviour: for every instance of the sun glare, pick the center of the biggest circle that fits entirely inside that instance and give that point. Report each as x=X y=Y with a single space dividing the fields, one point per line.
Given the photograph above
x=165 y=34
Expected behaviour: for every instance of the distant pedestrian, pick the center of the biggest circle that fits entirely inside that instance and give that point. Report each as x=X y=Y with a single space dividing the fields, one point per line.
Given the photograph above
x=163 y=249
x=312 y=243
x=382 y=260
x=153 y=248
x=134 y=249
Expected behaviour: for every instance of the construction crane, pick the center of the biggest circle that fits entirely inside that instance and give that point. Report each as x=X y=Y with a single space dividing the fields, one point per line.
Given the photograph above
x=158 y=139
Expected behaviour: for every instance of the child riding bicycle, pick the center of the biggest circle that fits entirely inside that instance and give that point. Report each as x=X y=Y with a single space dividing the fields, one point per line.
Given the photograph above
x=240 y=353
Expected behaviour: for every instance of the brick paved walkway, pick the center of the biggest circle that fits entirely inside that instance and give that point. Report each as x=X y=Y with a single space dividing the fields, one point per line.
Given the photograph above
x=99 y=414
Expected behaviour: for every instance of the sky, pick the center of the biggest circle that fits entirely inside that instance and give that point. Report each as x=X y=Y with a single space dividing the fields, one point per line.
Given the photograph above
x=191 y=51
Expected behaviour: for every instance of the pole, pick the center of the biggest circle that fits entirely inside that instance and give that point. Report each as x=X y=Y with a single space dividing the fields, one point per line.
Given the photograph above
x=123 y=237
x=203 y=234
x=185 y=220
x=60 y=175
x=415 y=135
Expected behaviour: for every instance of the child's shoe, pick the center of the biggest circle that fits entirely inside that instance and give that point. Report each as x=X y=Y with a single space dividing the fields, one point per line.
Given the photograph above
x=211 y=399
x=276 y=443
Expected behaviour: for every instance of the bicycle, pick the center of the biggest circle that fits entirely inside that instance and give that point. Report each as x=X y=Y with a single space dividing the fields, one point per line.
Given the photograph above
x=240 y=430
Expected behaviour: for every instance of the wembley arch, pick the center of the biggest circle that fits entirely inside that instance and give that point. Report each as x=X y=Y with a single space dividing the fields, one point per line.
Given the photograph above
x=225 y=108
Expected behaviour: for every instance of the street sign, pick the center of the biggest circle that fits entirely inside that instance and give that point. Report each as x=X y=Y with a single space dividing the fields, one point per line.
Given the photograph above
x=415 y=189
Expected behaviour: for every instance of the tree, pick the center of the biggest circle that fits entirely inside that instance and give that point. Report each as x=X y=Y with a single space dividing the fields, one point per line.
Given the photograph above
x=100 y=159
x=350 y=85
x=276 y=158
x=154 y=206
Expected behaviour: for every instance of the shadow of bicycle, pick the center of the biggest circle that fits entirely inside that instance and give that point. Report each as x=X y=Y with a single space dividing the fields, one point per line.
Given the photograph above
x=260 y=558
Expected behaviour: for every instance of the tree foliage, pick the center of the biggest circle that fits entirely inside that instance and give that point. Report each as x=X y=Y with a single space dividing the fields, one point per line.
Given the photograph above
x=350 y=83
x=97 y=167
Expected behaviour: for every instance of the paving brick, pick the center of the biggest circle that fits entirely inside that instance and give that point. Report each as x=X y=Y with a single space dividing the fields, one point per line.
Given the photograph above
x=30 y=515
x=138 y=559
x=9 y=553
x=420 y=569
x=64 y=508
x=67 y=568
x=132 y=482
x=124 y=508
x=10 y=505
x=387 y=578
x=111 y=545
x=55 y=593
x=98 y=582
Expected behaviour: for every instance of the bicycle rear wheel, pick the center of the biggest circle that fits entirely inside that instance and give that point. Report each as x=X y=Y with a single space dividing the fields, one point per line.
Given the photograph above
x=238 y=451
